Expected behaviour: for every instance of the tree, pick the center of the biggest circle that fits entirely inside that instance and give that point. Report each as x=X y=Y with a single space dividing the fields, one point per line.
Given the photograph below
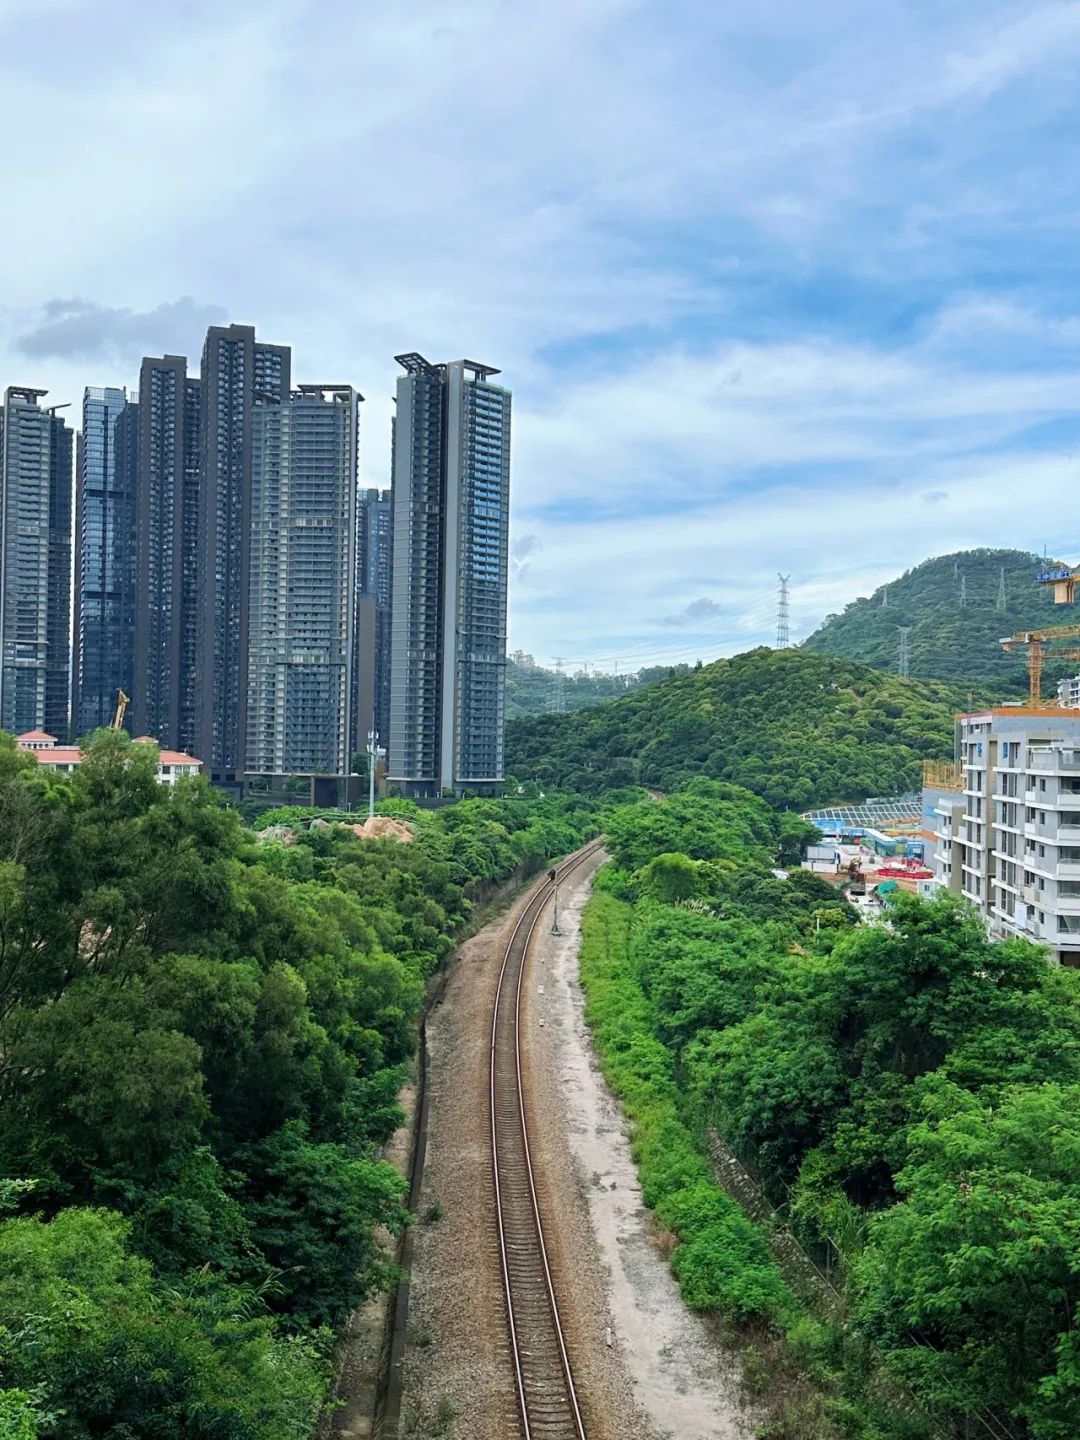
x=794 y=835
x=85 y=1331
x=972 y=1282
x=670 y=877
x=314 y=1208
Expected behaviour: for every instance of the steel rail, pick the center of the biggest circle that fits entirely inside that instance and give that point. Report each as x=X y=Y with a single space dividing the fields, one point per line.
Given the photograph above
x=547 y=1403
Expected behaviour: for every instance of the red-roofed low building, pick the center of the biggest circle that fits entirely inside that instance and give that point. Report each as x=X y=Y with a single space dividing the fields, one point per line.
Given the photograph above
x=173 y=765
x=36 y=740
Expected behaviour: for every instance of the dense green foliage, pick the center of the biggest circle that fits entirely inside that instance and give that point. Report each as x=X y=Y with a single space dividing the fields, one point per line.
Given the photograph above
x=950 y=641
x=534 y=690
x=724 y=1261
x=797 y=728
x=201 y=1042
x=907 y=1093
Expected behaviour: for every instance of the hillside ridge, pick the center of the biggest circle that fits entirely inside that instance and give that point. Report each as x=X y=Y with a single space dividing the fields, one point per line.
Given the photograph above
x=796 y=727
x=951 y=604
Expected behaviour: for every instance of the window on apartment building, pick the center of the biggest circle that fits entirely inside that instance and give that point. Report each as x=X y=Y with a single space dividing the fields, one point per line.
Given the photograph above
x=1042 y=852
x=1042 y=785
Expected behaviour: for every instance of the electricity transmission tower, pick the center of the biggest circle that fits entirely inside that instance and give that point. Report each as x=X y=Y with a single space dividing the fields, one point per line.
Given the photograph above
x=885 y=597
x=963 y=591
x=1001 y=591
x=783 y=614
x=903 y=662
x=558 y=697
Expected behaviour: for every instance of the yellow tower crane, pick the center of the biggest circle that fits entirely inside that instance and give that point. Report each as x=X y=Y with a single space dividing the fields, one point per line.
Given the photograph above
x=1035 y=640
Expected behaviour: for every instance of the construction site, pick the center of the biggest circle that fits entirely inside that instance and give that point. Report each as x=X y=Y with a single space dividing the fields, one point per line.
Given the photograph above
x=999 y=823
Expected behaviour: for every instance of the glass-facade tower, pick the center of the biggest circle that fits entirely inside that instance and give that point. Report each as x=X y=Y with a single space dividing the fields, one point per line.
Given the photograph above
x=167 y=528
x=239 y=374
x=302 y=571
x=36 y=454
x=103 y=653
x=374 y=590
x=451 y=497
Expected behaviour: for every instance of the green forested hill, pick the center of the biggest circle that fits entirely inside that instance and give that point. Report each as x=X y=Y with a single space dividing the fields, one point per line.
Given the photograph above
x=795 y=727
x=951 y=604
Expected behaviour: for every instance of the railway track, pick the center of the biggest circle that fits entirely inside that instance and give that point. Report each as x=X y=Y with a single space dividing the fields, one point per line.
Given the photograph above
x=547 y=1398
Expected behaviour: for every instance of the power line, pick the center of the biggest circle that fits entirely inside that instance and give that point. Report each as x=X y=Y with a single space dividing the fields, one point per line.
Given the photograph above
x=783 y=614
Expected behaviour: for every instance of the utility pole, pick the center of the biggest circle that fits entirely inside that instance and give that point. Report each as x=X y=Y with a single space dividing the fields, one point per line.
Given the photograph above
x=903 y=664
x=783 y=613
x=553 y=876
x=372 y=751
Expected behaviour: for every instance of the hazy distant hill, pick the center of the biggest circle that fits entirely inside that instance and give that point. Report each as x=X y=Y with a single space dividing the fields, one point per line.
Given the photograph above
x=533 y=690
x=951 y=604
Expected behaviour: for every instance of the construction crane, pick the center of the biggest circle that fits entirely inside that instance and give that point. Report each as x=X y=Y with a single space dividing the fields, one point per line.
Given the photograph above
x=1035 y=640
x=1063 y=578
x=122 y=702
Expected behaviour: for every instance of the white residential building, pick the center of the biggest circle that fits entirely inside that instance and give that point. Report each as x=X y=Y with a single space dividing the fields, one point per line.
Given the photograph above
x=1069 y=692
x=1008 y=837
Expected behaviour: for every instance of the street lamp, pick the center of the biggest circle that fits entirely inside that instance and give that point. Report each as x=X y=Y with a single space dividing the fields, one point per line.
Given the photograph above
x=372 y=751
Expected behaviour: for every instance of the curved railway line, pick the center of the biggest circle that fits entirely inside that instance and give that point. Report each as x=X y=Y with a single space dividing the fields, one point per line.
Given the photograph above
x=547 y=1398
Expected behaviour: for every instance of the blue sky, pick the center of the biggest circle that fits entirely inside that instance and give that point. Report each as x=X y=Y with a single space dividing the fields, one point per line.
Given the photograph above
x=777 y=286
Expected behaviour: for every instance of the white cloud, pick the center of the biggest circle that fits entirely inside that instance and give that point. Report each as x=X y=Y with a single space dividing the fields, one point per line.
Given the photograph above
x=774 y=285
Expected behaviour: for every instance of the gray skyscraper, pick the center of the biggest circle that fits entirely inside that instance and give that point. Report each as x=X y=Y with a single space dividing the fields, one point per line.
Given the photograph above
x=238 y=374
x=103 y=655
x=167 y=528
x=374 y=574
x=35 y=565
x=451 y=510
x=302 y=571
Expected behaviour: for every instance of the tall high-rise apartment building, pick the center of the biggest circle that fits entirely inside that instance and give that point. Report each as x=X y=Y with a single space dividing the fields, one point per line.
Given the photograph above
x=239 y=374
x=167 y=527
x=301 y=568
x=451 y=498
x=374 y=574
x=35 y=564
x=105 y=479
